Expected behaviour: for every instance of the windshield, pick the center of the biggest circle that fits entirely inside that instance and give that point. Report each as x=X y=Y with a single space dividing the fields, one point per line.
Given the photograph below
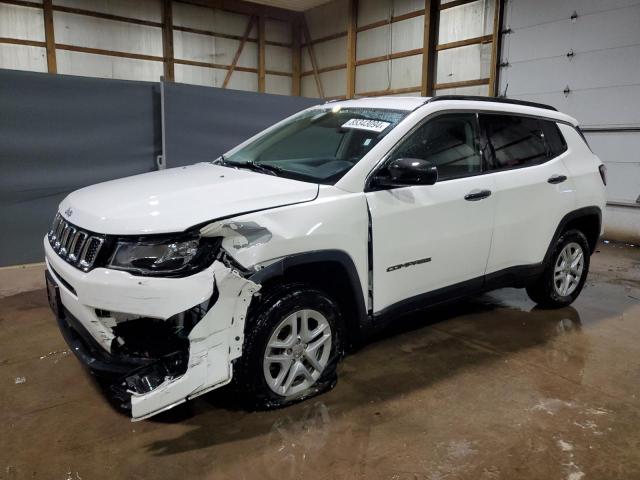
x=318 y=145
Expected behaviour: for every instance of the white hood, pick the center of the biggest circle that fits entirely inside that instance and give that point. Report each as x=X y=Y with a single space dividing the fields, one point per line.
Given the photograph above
x=175 y=199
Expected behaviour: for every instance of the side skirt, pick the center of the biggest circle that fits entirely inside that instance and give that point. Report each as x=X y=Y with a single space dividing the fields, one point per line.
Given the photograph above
x=517 y=277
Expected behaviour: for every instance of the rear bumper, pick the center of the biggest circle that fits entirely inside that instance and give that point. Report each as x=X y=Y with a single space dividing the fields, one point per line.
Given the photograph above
x=152 y=385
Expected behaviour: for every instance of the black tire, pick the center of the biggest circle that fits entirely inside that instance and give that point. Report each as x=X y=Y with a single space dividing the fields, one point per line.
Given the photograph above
x=249 y=378
x=544 y=291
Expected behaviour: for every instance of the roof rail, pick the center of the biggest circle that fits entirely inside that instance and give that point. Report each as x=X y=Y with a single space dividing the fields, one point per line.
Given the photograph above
x=492 y=100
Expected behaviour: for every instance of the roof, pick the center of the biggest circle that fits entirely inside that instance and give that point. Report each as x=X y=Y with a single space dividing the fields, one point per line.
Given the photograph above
x=391 y=103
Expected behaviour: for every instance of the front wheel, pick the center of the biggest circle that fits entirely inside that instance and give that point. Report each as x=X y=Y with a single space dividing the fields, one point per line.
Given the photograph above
x=565 y=274
x=293 y=342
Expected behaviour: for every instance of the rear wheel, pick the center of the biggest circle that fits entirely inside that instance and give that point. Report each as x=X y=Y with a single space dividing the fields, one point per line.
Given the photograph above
x=293 y=343
x=565 y=274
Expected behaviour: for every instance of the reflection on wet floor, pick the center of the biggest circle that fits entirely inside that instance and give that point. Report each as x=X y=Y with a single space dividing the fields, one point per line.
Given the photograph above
x=489 y=387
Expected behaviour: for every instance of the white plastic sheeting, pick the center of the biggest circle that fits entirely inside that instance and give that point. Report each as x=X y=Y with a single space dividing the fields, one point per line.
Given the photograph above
x=105 y=66
x=466 y=21
x=145 y=10
x=23 y=57
x=214 y=77
x=470 y=62
x=398 y=73
x=84 y=31
x=25 y=23
x=209 y=19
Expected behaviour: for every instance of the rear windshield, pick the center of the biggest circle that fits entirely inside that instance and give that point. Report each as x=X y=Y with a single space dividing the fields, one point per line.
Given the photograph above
x=318 y=145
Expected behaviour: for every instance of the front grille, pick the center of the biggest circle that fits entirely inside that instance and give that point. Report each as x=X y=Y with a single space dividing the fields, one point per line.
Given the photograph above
x=78 y=247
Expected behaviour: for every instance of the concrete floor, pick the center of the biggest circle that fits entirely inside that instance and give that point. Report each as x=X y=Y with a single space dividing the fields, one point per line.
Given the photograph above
x=483 y=389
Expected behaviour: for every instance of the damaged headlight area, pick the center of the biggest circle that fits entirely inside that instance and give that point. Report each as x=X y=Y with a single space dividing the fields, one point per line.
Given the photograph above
x=168 y=257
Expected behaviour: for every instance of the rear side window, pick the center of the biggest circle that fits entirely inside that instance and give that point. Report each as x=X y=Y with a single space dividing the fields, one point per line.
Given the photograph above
x=556 y=144
x=514 y=141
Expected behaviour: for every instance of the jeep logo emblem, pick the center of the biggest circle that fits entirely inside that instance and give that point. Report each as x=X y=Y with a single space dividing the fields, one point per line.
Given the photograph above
x=68 y=212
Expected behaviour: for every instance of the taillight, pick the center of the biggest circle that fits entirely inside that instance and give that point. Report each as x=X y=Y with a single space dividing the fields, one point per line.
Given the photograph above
x=603 y=173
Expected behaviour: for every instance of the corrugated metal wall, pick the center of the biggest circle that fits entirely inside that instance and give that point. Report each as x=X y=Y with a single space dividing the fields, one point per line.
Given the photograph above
x=583 y=56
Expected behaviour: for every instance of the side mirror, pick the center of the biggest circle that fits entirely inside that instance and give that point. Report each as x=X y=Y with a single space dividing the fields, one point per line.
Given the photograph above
x=404 y=172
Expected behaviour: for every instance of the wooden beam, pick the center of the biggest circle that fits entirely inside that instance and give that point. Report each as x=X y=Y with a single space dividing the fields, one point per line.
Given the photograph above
x=494 y=84
x=49 y=37
x=399 y=18
x=312 y=56
x=391 y=56
x=234 y=63
x=325 y=39
x=261 y=54
x=167 y=40
x=22 y=3
x=455 y=3
x=325 y=69
x=105 y=16
x=111 y=53
x=428 y=47
x=352 y=34
x=19 y=41
x=464 y=43
x=296 y=59
x=462 y=83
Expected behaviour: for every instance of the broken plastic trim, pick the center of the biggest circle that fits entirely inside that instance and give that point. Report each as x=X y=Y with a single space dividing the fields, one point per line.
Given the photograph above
x=241 y=234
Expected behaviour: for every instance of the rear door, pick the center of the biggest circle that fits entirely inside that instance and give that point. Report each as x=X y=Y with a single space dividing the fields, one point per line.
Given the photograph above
x=428 y=237
x=533 y=190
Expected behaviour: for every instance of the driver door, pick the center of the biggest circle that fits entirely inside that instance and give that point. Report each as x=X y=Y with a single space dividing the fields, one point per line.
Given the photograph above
x=429 y=237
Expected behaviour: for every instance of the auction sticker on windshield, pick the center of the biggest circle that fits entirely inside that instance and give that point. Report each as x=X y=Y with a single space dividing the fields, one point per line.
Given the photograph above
x=364 y=124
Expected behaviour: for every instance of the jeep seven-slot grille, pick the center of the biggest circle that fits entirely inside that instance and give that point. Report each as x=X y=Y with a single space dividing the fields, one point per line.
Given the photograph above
x=74 y=245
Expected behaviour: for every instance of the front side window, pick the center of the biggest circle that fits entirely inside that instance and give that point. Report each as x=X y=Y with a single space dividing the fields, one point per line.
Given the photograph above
x=448 y=141
x=318 y=145
x=514 y=141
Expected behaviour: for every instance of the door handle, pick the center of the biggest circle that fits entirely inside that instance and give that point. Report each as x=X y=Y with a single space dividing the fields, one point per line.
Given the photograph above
x=557 y=179
x=475 y=195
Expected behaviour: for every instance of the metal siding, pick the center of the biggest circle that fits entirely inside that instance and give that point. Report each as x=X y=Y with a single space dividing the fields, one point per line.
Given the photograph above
x=203 y=18
x=278 y=58
x=464 y=63
x=466 y=21
x=327 y=19
x=277 y=31
x=278 y=84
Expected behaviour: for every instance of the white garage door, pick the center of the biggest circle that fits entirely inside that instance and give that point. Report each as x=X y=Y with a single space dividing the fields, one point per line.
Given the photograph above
x=583 y=57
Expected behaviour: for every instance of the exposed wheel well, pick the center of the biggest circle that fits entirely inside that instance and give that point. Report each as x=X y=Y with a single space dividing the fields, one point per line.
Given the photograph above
x=332 y=278
x=589 y=225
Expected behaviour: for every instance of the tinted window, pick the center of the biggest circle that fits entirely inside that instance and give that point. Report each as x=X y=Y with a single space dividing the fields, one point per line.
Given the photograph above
x=448 y=141
x=555 y=141
x=514 y=141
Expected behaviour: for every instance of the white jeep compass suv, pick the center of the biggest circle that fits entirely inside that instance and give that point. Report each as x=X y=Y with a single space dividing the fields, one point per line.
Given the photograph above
x=263 y=267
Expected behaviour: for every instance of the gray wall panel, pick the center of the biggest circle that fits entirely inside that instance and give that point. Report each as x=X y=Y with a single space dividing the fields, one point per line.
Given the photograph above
x=58 y=134
x=202 y=123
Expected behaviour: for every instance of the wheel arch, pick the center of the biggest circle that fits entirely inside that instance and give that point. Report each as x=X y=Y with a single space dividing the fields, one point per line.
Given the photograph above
x=332 y=271
x=587 y=219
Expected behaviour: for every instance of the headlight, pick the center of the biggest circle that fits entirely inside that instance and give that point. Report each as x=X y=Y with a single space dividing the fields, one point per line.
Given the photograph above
x=163 y=257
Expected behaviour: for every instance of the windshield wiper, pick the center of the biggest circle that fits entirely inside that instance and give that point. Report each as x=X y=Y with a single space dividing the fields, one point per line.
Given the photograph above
x=256 y=167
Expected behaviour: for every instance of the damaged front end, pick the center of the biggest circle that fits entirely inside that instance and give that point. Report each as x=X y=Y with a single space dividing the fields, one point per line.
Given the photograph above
x=153 y=364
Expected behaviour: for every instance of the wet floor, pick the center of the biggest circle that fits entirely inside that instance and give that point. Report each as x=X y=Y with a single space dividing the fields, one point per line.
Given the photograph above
x=487 y=388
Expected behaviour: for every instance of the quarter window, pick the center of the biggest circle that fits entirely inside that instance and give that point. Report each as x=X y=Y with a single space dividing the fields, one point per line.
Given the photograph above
x=514 y=141
x=448 y=141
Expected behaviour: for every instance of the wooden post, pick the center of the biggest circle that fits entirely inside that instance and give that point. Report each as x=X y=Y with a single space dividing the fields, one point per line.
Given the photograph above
x=352 y=33
x=49 y=36
x=429 y=46
x=495 y=48
x=247 y=32
x=261 y=54
x=312 y=56
x=167 y=40
x=296 y=62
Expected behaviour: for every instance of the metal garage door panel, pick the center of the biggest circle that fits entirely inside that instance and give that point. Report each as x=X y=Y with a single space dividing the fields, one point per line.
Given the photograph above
x=596 y=69
x=624 y=176
x=617 y=28
x=525 y=13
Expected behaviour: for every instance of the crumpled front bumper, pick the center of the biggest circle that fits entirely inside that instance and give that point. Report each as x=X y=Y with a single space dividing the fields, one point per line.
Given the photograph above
x=213 y=343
